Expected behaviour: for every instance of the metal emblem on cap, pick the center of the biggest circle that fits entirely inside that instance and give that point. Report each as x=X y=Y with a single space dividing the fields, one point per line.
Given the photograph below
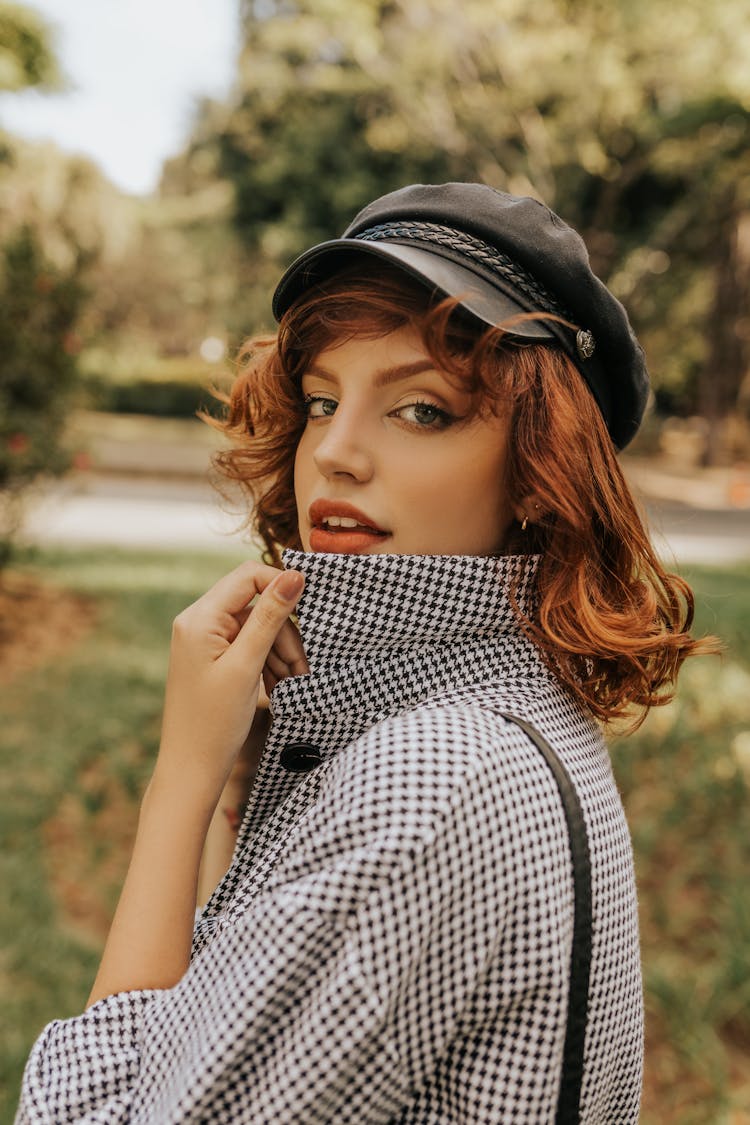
x=585 y=343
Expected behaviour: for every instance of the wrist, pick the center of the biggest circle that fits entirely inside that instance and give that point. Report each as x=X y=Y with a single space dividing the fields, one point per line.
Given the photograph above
x=187 y=791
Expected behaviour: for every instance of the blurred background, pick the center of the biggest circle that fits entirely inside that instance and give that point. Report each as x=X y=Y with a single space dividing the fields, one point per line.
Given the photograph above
x=160 y=164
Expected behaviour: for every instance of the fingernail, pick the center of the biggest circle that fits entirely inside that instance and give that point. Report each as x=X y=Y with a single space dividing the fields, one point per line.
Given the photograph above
x=289 y=586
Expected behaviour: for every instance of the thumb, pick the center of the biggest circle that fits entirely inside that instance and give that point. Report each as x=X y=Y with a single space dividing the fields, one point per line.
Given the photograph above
x=257 y=635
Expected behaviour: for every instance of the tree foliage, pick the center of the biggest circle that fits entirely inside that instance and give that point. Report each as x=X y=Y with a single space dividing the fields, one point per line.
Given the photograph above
x=631 y=119
x=39 y=309
x=41 y=299
x=26 y=54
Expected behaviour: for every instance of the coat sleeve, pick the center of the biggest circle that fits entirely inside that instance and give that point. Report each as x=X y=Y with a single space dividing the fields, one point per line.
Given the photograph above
x=332 y=994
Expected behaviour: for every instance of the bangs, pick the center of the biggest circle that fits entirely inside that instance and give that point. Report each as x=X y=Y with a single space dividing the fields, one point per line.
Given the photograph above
x=479 y=359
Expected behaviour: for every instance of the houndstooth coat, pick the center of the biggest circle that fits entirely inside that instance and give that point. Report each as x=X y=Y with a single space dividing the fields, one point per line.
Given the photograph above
x=392 y=940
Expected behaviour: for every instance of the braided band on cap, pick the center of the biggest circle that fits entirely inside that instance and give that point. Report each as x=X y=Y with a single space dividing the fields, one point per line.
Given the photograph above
x=467 y=246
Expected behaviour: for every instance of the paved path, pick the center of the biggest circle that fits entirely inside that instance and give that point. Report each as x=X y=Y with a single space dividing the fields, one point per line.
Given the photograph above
x=133 y=511
x=699 y=535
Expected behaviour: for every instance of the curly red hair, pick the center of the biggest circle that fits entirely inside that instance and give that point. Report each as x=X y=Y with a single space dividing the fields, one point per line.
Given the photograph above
x=609 y=619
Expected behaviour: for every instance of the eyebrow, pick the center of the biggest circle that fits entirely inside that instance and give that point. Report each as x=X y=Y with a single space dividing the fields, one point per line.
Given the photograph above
x=385 y=376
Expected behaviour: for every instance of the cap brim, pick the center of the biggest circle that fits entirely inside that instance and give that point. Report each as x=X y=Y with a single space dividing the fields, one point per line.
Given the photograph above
x=478 y=296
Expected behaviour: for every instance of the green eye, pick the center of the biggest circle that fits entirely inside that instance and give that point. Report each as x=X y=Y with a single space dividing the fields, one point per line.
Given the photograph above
x=425 y=415
x=318 y=406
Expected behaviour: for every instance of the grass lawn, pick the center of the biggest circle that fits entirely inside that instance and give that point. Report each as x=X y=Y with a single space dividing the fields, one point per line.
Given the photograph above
x=78 y=732
x=685 y=780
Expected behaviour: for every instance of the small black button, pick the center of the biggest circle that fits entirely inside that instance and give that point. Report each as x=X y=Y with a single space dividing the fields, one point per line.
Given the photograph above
x=300 y=757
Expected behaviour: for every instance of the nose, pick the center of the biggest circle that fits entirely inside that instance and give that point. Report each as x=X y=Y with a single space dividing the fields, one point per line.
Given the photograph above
x=344 y=449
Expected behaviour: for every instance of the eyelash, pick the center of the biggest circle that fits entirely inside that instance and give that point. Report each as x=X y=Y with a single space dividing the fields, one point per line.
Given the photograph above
x=441 y=422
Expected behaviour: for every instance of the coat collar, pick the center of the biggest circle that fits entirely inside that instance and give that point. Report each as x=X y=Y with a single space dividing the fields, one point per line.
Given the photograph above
x=365 y=606
x=382 y=634
x=385 y=632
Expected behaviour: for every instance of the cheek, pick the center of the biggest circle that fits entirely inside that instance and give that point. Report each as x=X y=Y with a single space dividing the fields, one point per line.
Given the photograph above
x=455 y=501
x=474 y=505
x=476 y=478
x=491 y=482
x=303 y=486
x=302 y=493
x=303 y=465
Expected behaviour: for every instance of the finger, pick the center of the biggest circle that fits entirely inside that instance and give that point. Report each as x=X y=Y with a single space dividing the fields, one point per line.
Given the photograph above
x=269 y=680
x=233 y=592
x=288 y=648
x=276 y=666
x=256 y=637
x=224 y=624
x=242 y=615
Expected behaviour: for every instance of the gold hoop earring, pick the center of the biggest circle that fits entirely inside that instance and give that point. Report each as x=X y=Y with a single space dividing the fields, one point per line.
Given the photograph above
x=525 y=523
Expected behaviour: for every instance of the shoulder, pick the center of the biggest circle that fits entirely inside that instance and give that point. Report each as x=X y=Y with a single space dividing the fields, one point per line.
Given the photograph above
x=457 y=735
x=454 y=799
x=428 y=770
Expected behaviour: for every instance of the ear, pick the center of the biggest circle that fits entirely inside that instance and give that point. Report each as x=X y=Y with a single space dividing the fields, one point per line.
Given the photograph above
x=528 y=508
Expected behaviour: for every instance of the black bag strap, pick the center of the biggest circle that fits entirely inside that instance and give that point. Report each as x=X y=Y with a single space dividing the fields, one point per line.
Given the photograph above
x=568 y=1104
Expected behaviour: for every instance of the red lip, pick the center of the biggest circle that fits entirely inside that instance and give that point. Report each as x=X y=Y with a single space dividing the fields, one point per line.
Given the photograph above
x=320 y=509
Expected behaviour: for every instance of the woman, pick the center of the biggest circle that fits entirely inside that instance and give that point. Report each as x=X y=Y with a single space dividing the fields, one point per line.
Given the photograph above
x=433 y=436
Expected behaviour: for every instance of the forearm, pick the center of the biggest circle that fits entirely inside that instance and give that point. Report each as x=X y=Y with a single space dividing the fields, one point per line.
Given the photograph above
x=222 y=833
x=149 y=941
x=217 y=656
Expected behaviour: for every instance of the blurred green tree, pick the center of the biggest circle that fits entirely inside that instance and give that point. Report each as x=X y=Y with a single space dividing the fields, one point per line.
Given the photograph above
x=627 y=117
x=39 y=309
x=27 y=57
x=40 y=303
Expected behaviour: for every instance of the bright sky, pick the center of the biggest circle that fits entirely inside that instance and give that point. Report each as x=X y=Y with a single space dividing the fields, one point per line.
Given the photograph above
x=135 y=68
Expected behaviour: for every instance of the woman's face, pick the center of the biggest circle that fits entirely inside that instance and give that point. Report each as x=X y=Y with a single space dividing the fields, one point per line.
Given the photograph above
x=392 y=459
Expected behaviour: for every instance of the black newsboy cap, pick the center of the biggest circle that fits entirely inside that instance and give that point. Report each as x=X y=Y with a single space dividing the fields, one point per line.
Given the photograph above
x=503 y=255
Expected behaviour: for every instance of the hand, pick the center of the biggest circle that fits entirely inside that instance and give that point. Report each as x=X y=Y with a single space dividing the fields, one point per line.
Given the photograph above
x=220 y=647
x=286 y=658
